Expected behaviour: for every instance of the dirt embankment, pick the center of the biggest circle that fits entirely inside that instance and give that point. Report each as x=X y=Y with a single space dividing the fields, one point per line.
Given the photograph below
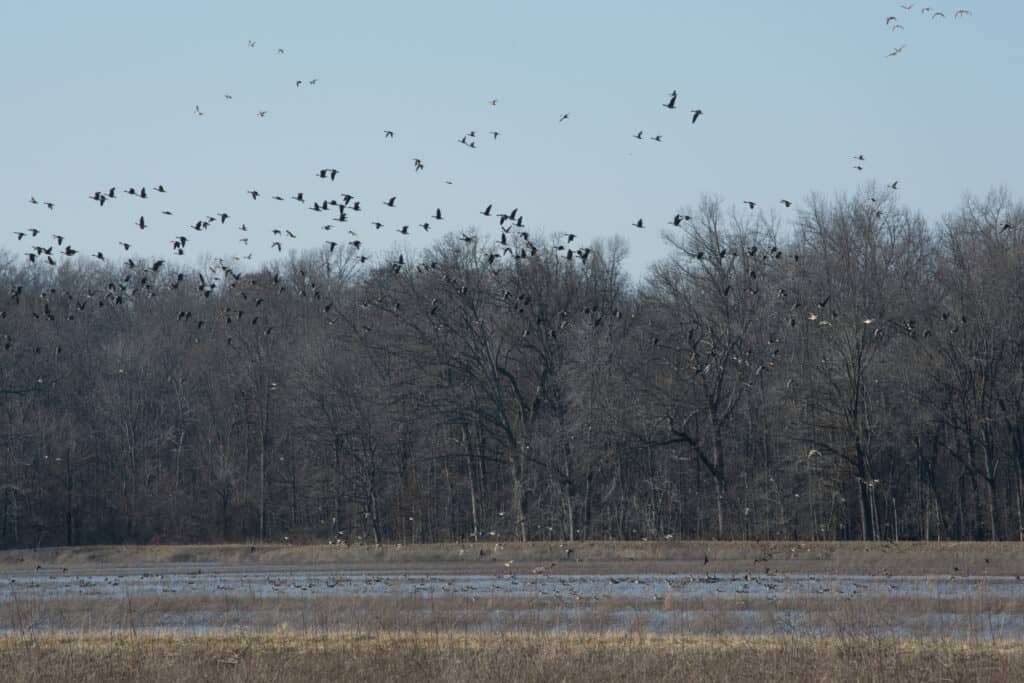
x=944 y=559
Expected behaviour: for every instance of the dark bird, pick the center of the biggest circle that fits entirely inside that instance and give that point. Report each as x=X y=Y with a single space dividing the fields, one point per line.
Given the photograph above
x=894 y=184
x=404 y=230
x=390 y=202
x=254 y=194
x=786 y=203
x=437 y=215
x=141 y=223
x=487 y=211
x=389 y=134
x=639 y=135
x=696 y=115
x=671 y=104
x=563 y=117
x=298 y=197
x=639 y=223
x=417 y=164
x=750 y=204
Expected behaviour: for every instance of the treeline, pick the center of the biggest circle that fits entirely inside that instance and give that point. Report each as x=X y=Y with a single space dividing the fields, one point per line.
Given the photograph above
x=857 y=374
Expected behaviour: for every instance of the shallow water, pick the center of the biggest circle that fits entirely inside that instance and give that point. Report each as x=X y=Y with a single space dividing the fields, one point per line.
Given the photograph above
x=656 y=603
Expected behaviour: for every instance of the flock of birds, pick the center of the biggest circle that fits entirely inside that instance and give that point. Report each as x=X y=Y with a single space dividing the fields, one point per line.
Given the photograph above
x=894 y=23
x=339 y=211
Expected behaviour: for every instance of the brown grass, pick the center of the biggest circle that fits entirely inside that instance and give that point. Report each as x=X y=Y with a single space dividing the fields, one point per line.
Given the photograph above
x=458 y=656
x=911 y=558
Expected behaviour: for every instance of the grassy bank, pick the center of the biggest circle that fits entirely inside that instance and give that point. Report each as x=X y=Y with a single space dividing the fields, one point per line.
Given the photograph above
x=557 y=557
x=455 y=656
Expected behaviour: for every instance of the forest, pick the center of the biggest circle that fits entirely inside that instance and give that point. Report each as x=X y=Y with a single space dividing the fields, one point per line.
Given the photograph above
x=854 y=371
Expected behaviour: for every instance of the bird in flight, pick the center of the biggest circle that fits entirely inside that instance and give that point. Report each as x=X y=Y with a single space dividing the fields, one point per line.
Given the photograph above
x=671 y=104
x=390 y=202
x=563 y=117
x=494 y=103
x=639 y=135
x=198 y=111
x=639 y=223
x=262 y=113
x=786 y=203
x=696 y=115
x=252 y=43
x=896 y=51
x=894 y=184
x=961 y=13
x=750 y=204
x=417 y=164
x=889 y=20
x=389 y=134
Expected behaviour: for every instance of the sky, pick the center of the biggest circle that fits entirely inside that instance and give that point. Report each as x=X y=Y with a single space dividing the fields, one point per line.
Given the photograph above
x=104 y=94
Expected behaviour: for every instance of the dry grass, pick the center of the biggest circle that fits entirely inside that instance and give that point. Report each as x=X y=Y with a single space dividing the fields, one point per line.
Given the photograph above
x=912 y=558
x=458 y=656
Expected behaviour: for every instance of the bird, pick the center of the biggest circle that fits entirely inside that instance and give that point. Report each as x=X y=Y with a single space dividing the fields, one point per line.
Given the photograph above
x=671 y=104
x=389 y=134
x=487 y=211
x=639 y=135
x=417 y=164
x=696 y=114
x=656 y=138
x=893 y=185
x=254 y=194
x=261 y=113
x=493 y=103
x=141 y=223
x=786 y=203
x=390 y=202
x=437 y=215
x=750 y=204
x=889 y=20
x=563 y=117
x=896 y=51
x=252 y=43
x=961 y=13
x=639 y=223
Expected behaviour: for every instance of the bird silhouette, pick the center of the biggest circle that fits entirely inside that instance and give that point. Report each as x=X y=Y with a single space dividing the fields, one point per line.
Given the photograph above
x=671 y=104
x=697 y=113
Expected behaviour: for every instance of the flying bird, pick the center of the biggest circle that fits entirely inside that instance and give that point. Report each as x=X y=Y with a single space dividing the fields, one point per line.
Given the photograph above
x=671 y=104
x=696 y=115
x=563 y=117
x=896 y=51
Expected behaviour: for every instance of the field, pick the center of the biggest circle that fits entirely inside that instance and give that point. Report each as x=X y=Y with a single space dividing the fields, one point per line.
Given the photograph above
x=540 y=611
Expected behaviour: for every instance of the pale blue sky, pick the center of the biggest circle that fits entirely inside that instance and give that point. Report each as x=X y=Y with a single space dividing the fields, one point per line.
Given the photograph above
x=101 y=94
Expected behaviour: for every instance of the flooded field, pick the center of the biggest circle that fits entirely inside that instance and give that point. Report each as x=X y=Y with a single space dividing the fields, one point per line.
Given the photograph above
x=201 y=597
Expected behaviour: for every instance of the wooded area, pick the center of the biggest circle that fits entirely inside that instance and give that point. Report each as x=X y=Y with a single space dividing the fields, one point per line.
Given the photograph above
x=856 y=374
